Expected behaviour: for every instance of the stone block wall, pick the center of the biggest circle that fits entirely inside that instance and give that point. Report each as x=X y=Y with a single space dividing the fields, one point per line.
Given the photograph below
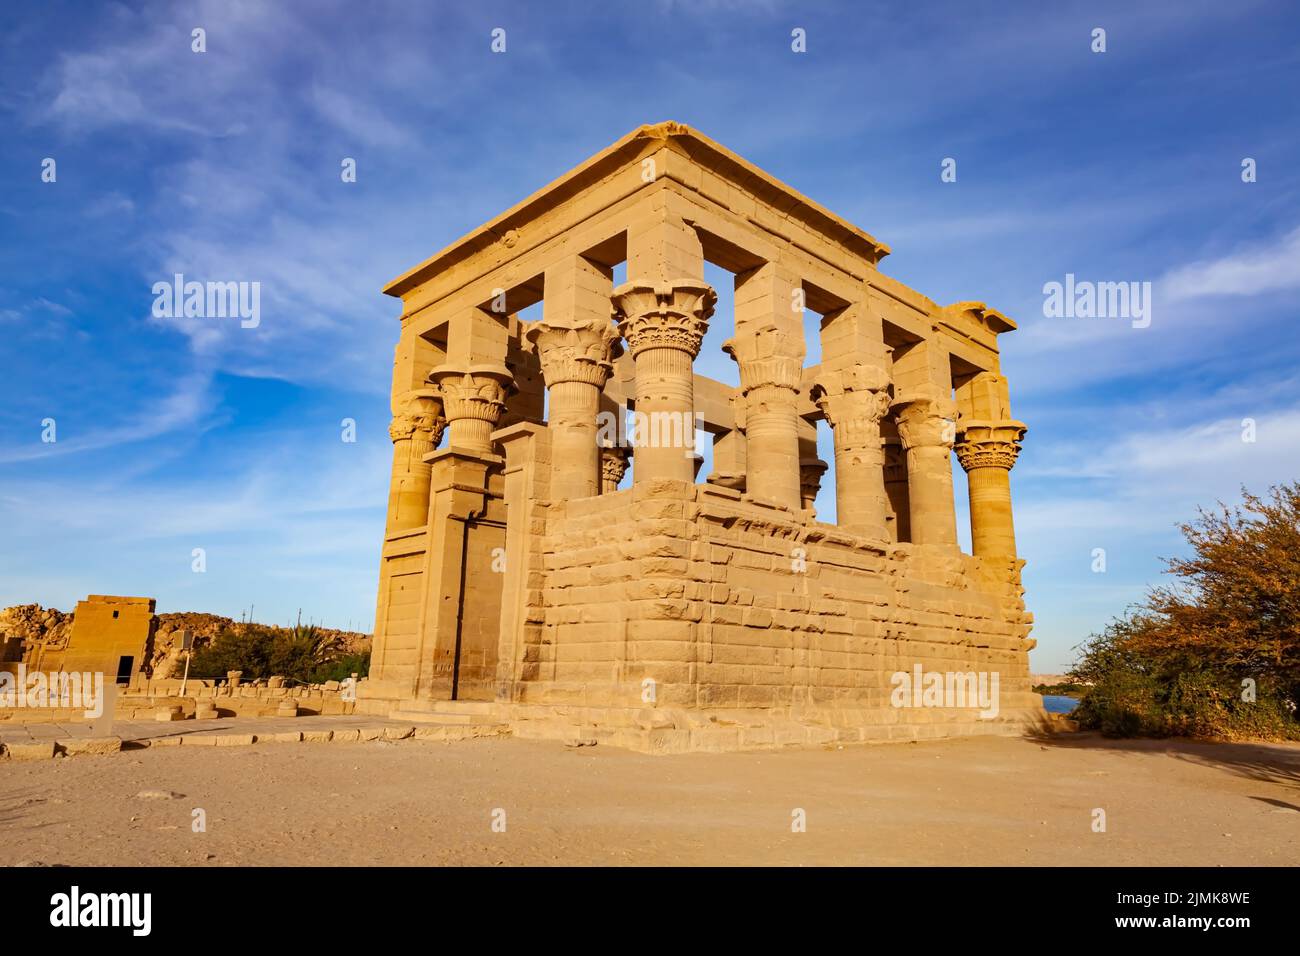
x=724 y=603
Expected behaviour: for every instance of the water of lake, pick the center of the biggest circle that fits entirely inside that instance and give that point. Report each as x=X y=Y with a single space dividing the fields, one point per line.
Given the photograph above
x=1055 y=704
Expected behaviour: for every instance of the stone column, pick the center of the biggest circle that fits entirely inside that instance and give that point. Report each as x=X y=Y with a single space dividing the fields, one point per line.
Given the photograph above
x=896 y=481
x=664 y=324
x=810 y=482
x=854 y=399
x=927 y=427
x=771 y=365
x=415 y=430
x=473 y=398
x=576 y=362
x=729 y=462
x=988 y=450
x=613 y=465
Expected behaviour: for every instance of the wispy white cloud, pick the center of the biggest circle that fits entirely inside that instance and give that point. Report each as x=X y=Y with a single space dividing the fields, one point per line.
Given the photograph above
x=1253 y=270
x=186 y=407
x=360 y=120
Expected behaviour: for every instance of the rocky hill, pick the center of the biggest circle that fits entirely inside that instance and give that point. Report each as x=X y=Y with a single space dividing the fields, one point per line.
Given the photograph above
x=35 y=624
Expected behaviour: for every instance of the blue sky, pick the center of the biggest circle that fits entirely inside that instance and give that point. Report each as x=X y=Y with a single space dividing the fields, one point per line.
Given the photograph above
x=183 y=434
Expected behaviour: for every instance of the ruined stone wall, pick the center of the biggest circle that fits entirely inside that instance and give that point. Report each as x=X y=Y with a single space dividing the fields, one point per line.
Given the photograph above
x=144 y=701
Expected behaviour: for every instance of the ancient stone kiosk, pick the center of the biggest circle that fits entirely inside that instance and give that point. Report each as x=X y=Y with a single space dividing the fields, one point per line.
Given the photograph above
x=522 y=572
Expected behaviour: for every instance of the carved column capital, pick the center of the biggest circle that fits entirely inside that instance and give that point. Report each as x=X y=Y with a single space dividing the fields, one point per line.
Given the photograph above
x=613 y=466
x=989 y=444
x=810 y=479
x=926 y=419
x=672 y=315
x=418 y=412
x=475 y=391
x=583 y=352
x=854 y=399
x=767 y=358
x=473 y=398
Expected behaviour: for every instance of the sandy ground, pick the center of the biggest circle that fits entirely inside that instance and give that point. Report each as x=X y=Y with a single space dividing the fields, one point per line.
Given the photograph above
x=964 y=802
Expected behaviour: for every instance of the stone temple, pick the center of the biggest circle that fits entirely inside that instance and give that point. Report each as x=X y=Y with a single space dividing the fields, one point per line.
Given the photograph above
x=523 y=574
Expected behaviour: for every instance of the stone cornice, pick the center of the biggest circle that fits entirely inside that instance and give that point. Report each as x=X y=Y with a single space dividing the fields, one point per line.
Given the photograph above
x=696 y=149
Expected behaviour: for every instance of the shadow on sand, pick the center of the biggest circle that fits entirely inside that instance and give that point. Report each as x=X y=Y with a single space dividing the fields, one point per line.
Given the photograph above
x=1272 y=763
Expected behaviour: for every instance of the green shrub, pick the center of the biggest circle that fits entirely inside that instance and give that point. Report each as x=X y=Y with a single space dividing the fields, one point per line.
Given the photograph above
x=246 y=649
x=1179 y=663
x=1124 y=703
x=302 y=653
x=343 y=668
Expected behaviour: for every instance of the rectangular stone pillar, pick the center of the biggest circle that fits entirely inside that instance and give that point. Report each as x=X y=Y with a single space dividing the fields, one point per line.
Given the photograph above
x=661 y=247
x=527 y=471
x=459 y=494
x=854 y=333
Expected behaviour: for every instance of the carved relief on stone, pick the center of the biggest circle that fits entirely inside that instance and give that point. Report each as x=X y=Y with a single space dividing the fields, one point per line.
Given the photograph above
x=854 y=400
x=476 y=392
x=983 y=444
x=584 y=352
x=673 y=314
